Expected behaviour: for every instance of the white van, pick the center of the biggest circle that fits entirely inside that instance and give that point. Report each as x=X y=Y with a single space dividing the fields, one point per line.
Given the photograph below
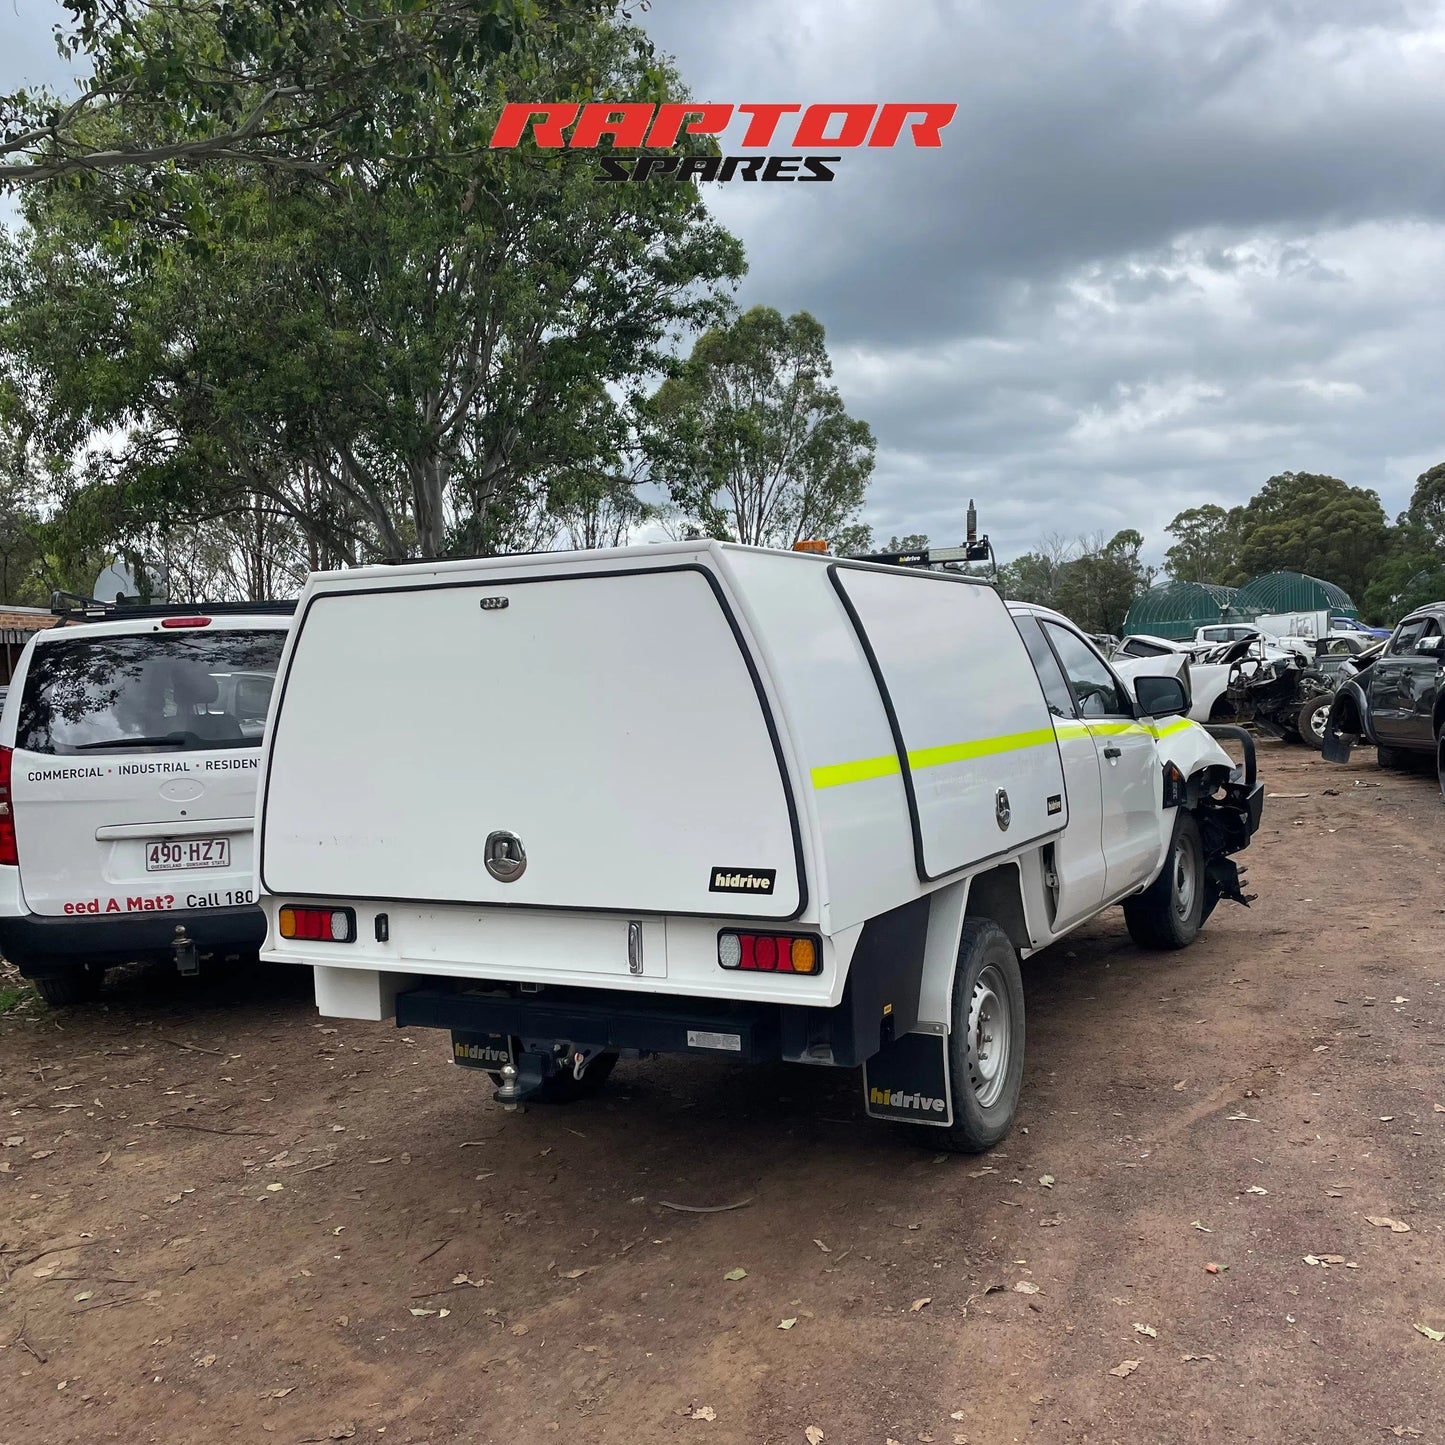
x=711 y=799
x=129 y=746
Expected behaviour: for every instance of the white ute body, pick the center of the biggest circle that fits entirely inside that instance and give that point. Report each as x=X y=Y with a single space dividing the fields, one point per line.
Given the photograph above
x=686 y=739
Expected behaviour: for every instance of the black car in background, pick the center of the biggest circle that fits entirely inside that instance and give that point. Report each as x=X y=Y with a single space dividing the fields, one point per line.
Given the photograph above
x=1398 y=702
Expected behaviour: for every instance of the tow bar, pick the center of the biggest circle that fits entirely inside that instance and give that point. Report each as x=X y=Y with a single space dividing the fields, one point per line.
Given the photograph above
x=184 y=948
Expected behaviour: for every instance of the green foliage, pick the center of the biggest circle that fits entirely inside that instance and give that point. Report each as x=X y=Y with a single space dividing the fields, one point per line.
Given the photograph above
x=424 y=362
x=1206 y=544
x=312 y=87
x=1413 y=572
x=753 y=442
x=1319 y=525
x=1092 y=582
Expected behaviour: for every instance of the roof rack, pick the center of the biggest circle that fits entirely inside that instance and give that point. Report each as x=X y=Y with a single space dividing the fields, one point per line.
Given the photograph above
x=930 y=556
x=974 y=549
x=72 y=607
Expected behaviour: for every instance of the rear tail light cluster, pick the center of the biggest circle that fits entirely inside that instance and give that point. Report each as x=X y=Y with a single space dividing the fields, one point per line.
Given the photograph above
x=8 y=851
x=769 y=953
x=324 y=925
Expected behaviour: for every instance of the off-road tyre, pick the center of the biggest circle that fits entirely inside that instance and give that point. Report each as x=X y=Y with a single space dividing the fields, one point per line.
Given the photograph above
x=1314 y=715
x=985 y=1042
x=1169 y=913
x=1440 y=760
x=75 y=986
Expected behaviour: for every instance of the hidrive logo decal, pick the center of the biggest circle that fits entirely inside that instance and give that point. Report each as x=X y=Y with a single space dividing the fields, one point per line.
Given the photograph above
x=742 y=880
x=897 y=1099
x=643 y=126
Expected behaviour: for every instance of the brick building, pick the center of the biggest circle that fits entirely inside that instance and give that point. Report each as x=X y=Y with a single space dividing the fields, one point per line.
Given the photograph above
x=17 y=626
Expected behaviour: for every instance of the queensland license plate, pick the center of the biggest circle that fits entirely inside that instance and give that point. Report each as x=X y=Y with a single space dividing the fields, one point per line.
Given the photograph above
x=176 y=854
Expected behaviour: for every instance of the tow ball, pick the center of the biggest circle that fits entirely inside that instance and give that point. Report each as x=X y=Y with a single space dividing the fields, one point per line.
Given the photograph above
x=183 y=946
x=534 y=1068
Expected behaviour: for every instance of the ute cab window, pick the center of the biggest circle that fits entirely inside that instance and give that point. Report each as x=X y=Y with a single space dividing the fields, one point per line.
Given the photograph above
x=1410 y=636
x=149 y=692
x=1099 y=692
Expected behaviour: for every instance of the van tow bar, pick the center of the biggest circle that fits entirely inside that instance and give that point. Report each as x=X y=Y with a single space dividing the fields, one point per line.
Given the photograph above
x=184 y=948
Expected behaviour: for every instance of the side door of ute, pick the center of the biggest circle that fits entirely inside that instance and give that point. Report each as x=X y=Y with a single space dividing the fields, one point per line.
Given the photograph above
x=1128 y=762
x=1420 y=686
x=1392 y=683
x=1079 y=852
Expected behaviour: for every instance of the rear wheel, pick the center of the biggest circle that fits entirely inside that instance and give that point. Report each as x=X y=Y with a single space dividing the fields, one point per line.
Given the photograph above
x=1392 y=758
x=1313 y=717
x=1440 y=760
x=985 y=1043
x=1169 y=913
x=76 y=985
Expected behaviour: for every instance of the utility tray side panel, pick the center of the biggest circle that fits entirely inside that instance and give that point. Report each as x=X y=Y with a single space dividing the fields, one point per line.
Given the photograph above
x=975 y=740
x=851 y=788
x=611 y=721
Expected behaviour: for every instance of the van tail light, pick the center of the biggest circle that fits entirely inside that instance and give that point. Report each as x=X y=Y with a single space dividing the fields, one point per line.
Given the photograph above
x=769 y=953
x=9 y=853
x=185 y=621
x=321 y=925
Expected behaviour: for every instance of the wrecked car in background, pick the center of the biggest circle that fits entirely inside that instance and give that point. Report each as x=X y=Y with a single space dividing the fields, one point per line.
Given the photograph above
x=1397 y=702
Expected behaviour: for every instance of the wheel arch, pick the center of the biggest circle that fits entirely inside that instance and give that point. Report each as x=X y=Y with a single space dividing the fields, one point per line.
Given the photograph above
x=997 y=893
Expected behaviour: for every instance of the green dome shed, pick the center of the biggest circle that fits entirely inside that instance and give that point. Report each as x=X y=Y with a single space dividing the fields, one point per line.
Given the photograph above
x=1295 y=592
x=1177 y=609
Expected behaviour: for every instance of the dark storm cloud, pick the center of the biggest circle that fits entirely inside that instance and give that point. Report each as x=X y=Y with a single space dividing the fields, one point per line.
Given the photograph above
x=1165 y=250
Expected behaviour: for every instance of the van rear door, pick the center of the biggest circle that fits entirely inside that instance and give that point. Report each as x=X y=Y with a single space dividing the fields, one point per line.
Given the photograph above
x=134 y=771
x=606 y=728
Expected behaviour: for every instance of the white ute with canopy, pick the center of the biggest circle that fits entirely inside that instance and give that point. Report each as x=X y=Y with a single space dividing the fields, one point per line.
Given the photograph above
x=716 y=799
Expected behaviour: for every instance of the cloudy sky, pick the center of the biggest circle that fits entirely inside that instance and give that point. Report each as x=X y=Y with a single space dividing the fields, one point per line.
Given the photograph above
x=1168 y=248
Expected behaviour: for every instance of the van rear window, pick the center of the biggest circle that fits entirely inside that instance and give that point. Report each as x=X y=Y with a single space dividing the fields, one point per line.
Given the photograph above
x=164 y=692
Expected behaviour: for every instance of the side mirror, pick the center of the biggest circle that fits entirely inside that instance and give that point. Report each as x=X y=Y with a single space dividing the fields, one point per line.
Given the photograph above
x=1430 y=645
x=1161 y=696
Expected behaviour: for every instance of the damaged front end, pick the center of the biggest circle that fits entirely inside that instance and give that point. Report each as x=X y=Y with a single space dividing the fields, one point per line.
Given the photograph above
x=1229 y=816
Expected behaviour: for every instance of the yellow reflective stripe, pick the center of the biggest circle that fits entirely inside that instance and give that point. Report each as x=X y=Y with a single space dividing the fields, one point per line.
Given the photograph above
x=983 y=748
x=1111 y=729
x=1174 y=727
x=835 y=774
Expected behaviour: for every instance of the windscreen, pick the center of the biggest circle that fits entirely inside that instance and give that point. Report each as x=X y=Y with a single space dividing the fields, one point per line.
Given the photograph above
x=160 y=691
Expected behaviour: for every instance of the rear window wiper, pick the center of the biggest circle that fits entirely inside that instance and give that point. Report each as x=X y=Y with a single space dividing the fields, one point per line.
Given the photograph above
x=170 y=740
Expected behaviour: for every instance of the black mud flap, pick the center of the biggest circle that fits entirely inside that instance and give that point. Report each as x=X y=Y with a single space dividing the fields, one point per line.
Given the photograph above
x=1339 y=740
x=1228 y=879
x=481 y=1051
x=908 y=1081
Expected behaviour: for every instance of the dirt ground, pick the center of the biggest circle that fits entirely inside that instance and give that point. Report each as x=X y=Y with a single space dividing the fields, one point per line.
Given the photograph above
x=223 y=1219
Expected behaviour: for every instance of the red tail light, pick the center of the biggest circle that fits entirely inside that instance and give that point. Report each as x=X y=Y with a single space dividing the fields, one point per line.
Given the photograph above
x=769 y=952
x=9 y=854
x=324 y=925
x=185 y=621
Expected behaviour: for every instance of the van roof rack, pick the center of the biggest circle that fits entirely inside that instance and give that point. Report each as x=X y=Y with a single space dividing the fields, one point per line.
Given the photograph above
x=73 y=607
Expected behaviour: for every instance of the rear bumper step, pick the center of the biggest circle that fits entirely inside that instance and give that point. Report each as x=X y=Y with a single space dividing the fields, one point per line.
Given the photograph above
x=602 y=1020
x=41 y=946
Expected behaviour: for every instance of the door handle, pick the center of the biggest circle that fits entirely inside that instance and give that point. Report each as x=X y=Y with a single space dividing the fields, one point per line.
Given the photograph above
x=1112 y=752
